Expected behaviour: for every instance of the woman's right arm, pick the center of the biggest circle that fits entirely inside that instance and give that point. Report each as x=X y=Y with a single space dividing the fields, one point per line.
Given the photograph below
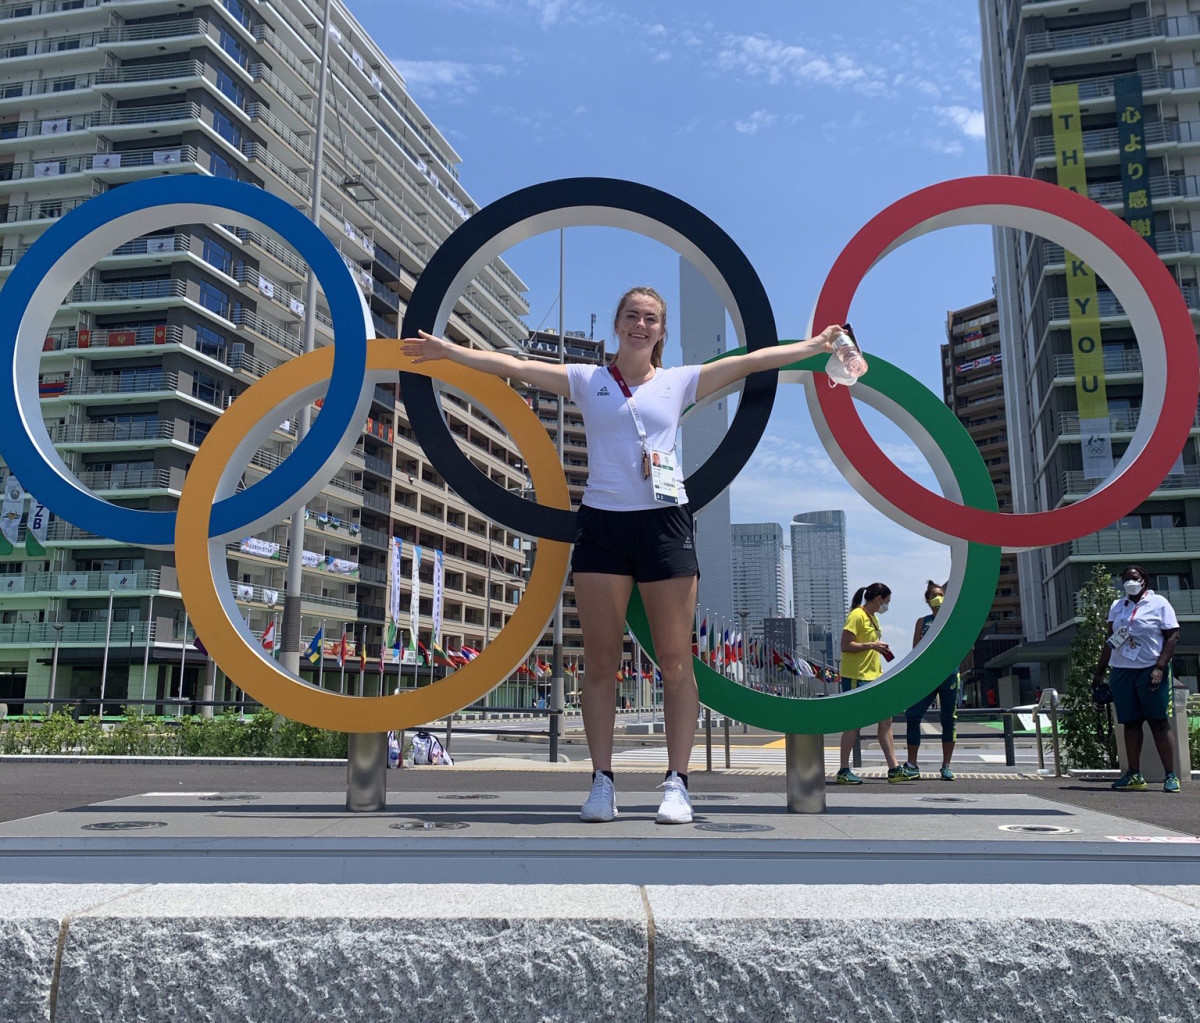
x=1105 y=654
x=543 y=375
x=850 y=645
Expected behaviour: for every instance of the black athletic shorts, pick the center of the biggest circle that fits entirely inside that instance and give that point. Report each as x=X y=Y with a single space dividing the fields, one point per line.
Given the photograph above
x=649 y=545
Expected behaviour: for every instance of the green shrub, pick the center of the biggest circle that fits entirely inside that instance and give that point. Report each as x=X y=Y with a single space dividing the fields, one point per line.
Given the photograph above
x=1088 y=739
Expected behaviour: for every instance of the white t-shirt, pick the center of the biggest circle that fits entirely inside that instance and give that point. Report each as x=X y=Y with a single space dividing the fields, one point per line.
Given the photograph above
x=615 y=479
x=1145 y=620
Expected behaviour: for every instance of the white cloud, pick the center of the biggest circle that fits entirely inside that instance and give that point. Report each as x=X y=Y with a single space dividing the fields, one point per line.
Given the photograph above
x=549 y=10
x=753 y=124
x=779 y=62
x=966 y=120
x=444 y=79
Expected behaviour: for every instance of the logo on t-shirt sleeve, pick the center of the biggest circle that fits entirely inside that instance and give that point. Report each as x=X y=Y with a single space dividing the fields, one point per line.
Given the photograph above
x=603 y=392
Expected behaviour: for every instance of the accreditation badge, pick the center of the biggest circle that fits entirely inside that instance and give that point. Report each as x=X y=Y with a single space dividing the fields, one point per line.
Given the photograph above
x=662 y=476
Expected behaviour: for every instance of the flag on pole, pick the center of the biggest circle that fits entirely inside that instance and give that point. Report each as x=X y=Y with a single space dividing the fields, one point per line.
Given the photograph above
x=703 y=652
x=362 y=656
x=315 y=645
x=342 y=651
x=268 y=637
x=36 y=526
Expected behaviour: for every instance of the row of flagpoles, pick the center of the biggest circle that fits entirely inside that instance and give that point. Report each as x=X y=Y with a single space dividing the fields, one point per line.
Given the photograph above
x=755 y=662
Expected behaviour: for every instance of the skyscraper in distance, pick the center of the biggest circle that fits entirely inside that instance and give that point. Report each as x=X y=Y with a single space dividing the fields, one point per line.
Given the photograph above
x=819 y=579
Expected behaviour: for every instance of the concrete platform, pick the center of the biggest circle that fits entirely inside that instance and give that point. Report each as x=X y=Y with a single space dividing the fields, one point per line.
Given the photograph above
x=530 y=837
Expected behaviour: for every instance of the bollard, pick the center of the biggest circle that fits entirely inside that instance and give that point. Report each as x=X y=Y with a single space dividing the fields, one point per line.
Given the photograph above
x=708 y=739
x=366 y=772
x=727 y=762
x=1010 y=749
x=805 y=758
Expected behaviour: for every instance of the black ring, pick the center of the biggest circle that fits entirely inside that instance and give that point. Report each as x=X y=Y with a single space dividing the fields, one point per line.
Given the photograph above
x=578 y=202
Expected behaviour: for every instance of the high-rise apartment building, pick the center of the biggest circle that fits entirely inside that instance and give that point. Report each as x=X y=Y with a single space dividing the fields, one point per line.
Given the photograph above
x=759 y=583
x=1101 y=96
x=973 y=386
x=819 y=595
x=161 y=334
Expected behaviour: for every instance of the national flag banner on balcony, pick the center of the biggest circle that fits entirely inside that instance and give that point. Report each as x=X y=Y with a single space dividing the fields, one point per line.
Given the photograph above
x=266 y=286
x=1131 y=148
x=54 y=125
x=83 y=338
x=160 y=334
x=47 y=169
x=161 y=243
x=167 y=156
x=271 y=597
x=122 y=338
x=12 y=510
x=296 y=306
x=52 y=388
x=263 y=548
x=314 y=649
x=106 y=161
x=1091 y=394
x=268 y=638
x=36 y=527
x=973 y=335
x=245 y=592
x=414 y=601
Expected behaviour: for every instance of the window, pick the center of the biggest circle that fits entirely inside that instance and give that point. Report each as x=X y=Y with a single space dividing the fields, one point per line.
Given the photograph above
x=215 y=254
x=63 y=85
x=1172 y=581
x=222 y=168
x=224 y=126
x=210 y=342
x=197 y=431
x=206 y=388
x=230 y=87
x=214 y=299
x=231 y=45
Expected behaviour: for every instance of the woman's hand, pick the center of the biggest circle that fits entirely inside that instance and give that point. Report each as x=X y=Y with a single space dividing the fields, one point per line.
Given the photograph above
x=426 y=347
x=824 y=340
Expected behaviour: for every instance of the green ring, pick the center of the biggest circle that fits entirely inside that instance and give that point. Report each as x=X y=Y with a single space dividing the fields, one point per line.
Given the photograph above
x=960 y=619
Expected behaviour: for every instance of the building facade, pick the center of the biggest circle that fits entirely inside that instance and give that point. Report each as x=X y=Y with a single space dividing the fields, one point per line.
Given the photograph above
x=819 y=596
x=973 y=386
x=759 y=580
x=1101 y=96
x=162 y=334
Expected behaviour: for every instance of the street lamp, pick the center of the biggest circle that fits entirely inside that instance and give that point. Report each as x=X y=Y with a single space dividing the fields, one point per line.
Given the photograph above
x=129 y=662
x=58 y=627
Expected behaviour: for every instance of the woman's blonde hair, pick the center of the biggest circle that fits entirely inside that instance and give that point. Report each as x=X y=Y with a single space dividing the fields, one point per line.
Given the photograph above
x=647 y=292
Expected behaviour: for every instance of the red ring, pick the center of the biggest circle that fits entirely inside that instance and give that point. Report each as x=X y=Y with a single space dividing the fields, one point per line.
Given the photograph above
x=1015 y=531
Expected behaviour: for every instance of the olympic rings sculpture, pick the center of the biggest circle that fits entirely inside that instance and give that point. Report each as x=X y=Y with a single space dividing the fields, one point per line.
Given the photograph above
x=211 y=512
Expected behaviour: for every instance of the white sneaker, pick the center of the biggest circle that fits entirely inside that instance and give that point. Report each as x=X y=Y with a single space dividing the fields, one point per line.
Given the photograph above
x=600 y=807
x=676 y=807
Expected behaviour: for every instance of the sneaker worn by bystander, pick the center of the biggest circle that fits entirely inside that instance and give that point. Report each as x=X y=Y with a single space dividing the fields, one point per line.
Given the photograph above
x=600 y=807
x=676 y=807
x=1132 y=781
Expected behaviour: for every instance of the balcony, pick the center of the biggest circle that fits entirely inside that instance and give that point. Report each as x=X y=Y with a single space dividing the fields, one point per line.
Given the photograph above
x=1096 y=35
x=1124 y=421
x=1153 y=79
x=130 y=479
x=37 y=8
x=1074 y=484
x=143 y=382
x=1176 y=186
x=1182 y=540
x=125 y=292
x=111 y=118
x=82 y=434
x=54 y=583
x=1101 y=140
x=113 y=337
x=44 y=635
x=1166 y=243
x=1107 y=304
x=1124 y=361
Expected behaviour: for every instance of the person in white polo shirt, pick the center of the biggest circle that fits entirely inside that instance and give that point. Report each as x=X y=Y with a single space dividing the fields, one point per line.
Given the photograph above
x=1142 y=633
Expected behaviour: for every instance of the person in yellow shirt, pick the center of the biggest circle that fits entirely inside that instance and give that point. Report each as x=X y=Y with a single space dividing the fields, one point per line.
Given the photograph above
x=862 y=650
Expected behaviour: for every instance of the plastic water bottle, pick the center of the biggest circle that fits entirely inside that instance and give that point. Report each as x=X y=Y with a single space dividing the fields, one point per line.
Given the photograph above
x=846 y=364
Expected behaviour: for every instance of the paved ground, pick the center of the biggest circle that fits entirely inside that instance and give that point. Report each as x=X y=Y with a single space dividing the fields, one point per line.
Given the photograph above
x=27 y=789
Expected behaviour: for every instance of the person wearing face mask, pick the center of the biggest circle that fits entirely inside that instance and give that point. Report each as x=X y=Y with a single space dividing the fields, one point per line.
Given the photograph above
x=861 y=652
x=1142 y=633
x=946 y=693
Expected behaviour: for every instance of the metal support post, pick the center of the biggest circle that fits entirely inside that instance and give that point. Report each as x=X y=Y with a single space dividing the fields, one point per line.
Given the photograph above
x=708 y=739
x=1010 y=750
x=366 y=772
x=805 y=758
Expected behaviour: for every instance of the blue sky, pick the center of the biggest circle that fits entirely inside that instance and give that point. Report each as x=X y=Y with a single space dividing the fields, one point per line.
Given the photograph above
x=790 y=124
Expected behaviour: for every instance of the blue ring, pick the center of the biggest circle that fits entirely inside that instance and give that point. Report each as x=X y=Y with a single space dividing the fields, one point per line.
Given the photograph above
x=157 y=528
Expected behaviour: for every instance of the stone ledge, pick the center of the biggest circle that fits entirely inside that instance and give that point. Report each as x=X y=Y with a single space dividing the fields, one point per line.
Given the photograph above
x=599 y=952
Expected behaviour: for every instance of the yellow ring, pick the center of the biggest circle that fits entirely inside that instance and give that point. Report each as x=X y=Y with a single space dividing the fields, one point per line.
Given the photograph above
x=226 y=636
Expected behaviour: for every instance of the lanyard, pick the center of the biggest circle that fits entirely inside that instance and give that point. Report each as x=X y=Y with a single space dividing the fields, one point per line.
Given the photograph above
x=633 y=410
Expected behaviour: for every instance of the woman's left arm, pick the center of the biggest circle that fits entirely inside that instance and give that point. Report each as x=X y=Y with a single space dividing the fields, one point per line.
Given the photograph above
x=1170 y=638
x=716 y=376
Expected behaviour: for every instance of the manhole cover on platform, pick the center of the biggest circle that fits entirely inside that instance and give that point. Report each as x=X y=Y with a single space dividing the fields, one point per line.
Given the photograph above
x=945 y=799
x=429 y=826
x=123 y=825
x=734 y=827
x=708 y=798
x=470 y=795
x=1038 y=829
x=227 y=796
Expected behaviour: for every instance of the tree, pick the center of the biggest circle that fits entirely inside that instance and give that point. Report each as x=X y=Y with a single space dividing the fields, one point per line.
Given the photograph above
x=1088 y=736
